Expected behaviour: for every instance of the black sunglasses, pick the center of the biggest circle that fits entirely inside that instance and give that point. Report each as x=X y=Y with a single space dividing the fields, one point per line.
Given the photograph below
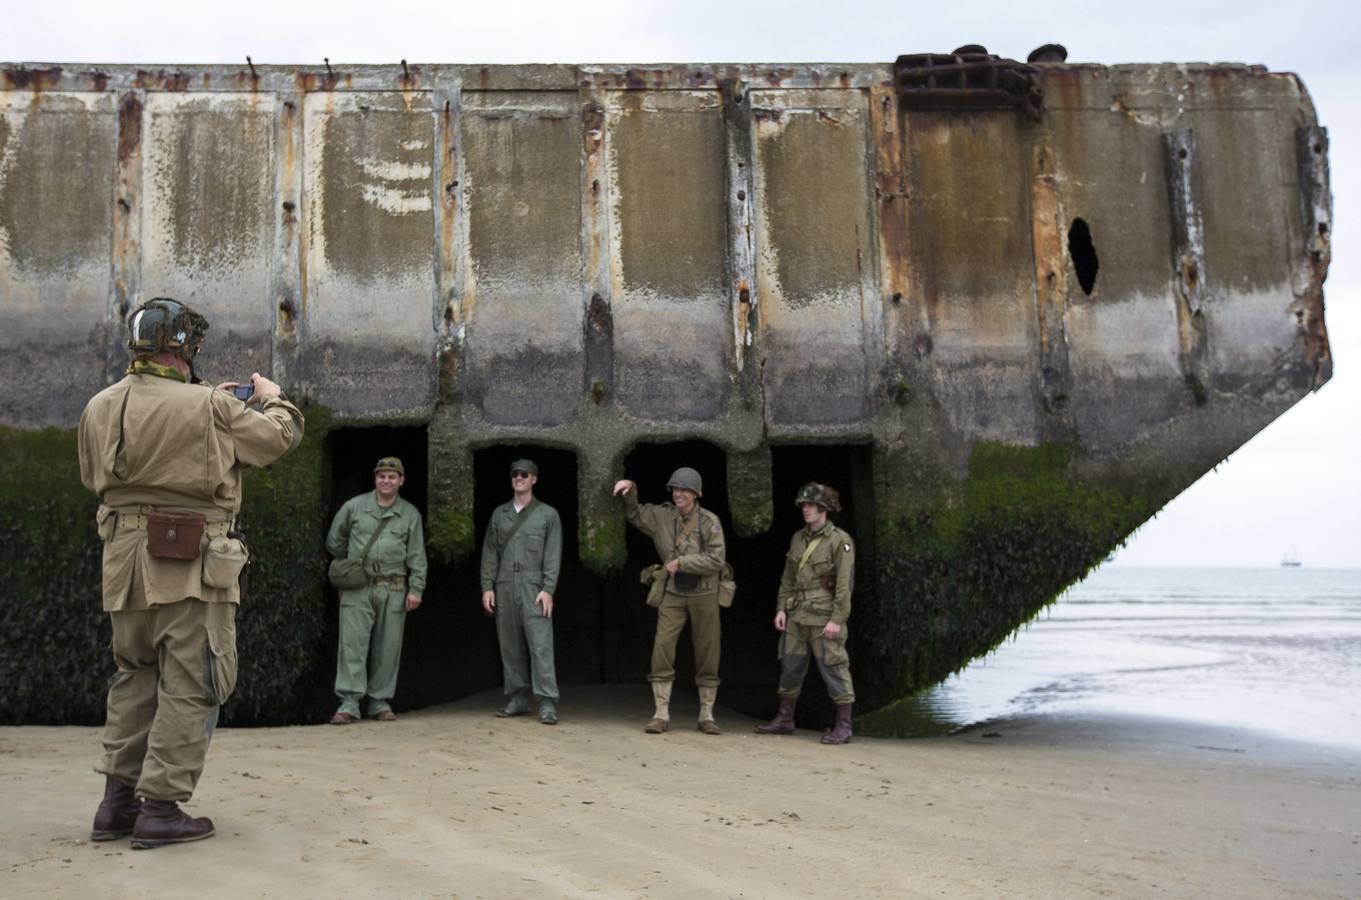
x=519 y=473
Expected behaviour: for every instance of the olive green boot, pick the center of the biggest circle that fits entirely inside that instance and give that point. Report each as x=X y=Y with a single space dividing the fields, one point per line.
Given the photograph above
x=661 y=719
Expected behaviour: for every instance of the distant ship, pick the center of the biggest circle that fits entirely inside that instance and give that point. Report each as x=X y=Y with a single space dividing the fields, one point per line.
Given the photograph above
x=1291 y=560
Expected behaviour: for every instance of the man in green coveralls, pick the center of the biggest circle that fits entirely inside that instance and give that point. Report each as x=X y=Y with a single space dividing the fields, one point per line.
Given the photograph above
x=689 y=540
x=813 y=605
x=372 y=617
x=521 y=561
x=160 y=442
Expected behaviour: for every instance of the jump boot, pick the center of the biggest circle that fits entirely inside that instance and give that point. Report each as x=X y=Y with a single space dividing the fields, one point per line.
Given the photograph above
x=661 y=719
x=707 y=695
x=841 y=732
x=783 y=723
x=117 y=813
x=163 y=822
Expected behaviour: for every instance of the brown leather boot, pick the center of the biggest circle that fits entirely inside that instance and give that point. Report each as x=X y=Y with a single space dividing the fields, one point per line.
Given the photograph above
x=841 y=732
x=163 y=822
x=117 y=813
x=783 y=723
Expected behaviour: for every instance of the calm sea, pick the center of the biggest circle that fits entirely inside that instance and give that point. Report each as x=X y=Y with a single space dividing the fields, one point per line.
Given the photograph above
x=1275 y=650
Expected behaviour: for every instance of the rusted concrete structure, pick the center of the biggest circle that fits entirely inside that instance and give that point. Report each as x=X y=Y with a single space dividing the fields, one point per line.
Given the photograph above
x=948 y=262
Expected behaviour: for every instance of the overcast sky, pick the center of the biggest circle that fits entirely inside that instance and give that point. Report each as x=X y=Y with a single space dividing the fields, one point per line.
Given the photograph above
x=1296 y=484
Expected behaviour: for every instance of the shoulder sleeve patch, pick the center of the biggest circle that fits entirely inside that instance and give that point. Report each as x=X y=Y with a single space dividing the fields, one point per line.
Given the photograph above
x=845 y=548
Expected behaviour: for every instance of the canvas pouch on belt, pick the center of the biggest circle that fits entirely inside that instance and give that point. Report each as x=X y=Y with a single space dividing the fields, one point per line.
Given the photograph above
x=174 y=535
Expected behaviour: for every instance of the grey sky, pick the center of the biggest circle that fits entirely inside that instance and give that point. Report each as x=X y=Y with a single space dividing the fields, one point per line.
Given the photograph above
x=1295 y=484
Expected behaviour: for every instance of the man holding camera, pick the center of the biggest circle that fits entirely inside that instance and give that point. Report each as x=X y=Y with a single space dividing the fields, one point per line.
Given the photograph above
x=166 y=453
x=521 y=561
x=384 y=531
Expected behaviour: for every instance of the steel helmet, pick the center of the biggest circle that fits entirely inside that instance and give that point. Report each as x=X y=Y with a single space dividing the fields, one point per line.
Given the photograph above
x=163 y=325
x=687 y=478
x=823 y=495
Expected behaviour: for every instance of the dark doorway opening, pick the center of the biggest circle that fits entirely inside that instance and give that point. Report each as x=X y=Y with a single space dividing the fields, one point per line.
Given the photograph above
x=750 y=668
x=576 y=612
x=352 y=452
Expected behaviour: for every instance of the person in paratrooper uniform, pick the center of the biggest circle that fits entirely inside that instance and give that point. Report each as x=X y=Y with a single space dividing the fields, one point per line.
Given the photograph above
x=689 y=540
x=521 y=562
x=813 y=605
x=372 y=618
x=165 y=453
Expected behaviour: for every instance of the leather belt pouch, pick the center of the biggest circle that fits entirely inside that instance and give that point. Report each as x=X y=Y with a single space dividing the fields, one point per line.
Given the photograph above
x=686 y=581
x=174 y=535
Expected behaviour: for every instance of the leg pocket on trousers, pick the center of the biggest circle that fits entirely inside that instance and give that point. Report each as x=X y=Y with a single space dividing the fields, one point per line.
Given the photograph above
x=219 y=658
x=834 y=650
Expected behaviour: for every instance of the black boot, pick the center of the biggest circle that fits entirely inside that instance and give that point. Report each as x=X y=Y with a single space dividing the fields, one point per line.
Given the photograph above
x=841 y=732
x=163 y=822
x=117 y=813
x=783 y=723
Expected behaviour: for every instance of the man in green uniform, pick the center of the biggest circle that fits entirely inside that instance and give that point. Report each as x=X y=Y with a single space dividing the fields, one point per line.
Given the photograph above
x=385 y=531
x=165 y=453
x=813 y=605
x=689 y=540
x=521 y=561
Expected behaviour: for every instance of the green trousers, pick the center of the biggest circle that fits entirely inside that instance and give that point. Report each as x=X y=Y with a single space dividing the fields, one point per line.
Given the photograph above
x=705 y=631
x=801 y=641
x=526 y=638
x=371 y=623
x=176 y=667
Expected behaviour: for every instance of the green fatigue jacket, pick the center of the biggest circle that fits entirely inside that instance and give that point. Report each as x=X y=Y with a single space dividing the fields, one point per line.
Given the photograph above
x=701 y=552
x=534 y=556
x=820 y=590
x=151 y=441
x=399 y=550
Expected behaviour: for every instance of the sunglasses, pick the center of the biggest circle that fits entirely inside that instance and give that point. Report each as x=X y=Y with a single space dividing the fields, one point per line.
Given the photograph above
x=519 y=473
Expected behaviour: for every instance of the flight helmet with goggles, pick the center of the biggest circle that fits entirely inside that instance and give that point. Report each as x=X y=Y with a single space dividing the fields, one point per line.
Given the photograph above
x=822 y=495
x=163 y=325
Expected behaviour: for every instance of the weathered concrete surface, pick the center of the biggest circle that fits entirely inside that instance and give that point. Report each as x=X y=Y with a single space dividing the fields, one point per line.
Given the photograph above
x=1042 y=325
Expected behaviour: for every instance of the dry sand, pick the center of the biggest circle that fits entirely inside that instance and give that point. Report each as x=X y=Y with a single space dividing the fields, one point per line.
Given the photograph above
x=451 y=801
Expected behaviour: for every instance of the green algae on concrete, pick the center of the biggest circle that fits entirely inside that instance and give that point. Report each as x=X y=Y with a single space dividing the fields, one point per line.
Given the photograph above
x=54 y=636
x=961 y=568
x=450 y=534
x=603 y=547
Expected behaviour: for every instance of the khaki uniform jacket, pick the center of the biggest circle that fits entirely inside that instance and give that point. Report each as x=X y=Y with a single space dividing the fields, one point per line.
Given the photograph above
x=150 y=441
x=804 y=594
x=534 y=555
x=399 y=550
x=701 y=552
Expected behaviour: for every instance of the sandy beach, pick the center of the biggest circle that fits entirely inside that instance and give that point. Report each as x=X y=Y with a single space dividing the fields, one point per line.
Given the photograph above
x=452 y=802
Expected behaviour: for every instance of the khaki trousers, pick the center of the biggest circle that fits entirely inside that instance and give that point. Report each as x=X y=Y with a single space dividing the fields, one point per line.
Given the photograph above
x=833 y=661
x=176 y=667
x=705 y=632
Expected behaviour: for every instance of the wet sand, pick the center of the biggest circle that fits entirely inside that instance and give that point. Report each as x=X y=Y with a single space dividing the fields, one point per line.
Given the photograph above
x=451 y=801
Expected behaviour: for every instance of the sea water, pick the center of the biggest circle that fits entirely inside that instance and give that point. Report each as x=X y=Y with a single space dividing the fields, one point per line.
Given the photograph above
x=1274 y=650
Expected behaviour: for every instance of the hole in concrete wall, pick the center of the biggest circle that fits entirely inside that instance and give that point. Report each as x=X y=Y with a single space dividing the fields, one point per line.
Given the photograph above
x=1083 y=253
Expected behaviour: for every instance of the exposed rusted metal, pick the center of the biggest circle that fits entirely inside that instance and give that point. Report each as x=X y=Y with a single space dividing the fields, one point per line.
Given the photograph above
x=598 y=324
x=1054 y=381
x=737 y=115
x=161 y=80
x=1188 y=259
x=969 y=78
x=1048 y=53
x=1316 y=217
x=22 y=79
